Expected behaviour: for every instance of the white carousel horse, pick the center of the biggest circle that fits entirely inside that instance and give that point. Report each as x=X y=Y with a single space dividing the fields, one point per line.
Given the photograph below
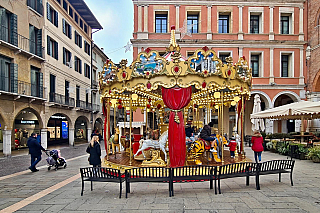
x=161 y=143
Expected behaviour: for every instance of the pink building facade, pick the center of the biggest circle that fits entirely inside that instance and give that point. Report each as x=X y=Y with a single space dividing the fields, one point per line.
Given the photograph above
x=272 y=35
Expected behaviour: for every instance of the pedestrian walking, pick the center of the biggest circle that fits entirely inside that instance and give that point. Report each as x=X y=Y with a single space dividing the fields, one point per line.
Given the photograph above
x=257 y=145
x=95 y=152
x=35 y=151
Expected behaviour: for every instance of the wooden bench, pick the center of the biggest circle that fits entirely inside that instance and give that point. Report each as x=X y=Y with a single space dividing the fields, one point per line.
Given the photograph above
x=194 y=173
x=236 y=170
x=101 y=174
x=274 y=167
x=148 y=174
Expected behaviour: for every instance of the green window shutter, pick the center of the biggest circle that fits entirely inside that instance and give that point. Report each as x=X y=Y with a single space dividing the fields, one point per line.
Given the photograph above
x=32 y=45
x=64 y=55
x=75 y=63
x=85 y=69
x=33 y=82
x=48 y=12
x=2 y=24
x=88 y=71
x=41 y=85
x=70 y=30
x=89 y=48
x=75 y=37
x=39 y=43
x=56 y=50
x=80 y=42
x=2 y=75
x=63 y=26
x=14 y=29
x=56 y=18
x=14 y=77
x=80 y=66
x=48 y=45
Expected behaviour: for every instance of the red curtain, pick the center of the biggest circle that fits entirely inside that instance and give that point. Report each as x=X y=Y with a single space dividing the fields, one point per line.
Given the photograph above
x=176 y=99
x=105 y=113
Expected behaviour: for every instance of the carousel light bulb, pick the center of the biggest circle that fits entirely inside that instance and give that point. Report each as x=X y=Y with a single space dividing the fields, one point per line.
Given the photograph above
x=216 y=106
x=236 y=99
x=216 y=94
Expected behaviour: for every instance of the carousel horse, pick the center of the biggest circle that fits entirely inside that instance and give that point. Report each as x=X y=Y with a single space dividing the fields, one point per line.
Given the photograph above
x=196 y=149
x=161 y=143
x=114 y=140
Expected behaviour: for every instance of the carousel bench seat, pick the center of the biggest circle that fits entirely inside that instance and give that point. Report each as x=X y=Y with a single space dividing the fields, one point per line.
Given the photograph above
x=194 y=174
x=101 y=174
x=148 y=174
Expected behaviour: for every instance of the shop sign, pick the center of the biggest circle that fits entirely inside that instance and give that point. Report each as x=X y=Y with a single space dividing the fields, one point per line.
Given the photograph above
x=31 y=122
x=58 y=117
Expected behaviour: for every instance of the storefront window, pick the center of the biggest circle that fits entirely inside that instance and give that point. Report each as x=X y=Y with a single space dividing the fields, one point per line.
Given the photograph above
x=58 y=129
x=81 y=130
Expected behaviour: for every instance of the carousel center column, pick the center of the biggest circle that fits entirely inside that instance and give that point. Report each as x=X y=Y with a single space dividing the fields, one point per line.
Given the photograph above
x=44 y=139
x=7 y=142
x=71 y=136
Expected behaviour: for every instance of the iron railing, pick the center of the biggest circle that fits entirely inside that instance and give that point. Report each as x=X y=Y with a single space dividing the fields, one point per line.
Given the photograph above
x=20 y=87
x=61 y=99
x=83 y=105
x=96 y=107
x=36 y=5
x=21 y=42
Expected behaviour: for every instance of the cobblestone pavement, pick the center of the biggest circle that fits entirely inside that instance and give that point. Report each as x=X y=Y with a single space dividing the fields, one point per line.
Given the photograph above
x=59 y=191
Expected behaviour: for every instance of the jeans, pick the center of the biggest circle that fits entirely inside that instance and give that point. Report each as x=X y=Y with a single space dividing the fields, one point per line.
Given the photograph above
x=257 y=154
x=34 y=161
x=232 y=153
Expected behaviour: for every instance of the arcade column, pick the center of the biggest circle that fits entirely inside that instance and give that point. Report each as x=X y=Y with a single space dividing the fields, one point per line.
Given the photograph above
x=44 y=139
x=7 y=142
x=71 y=136
x=89 y=131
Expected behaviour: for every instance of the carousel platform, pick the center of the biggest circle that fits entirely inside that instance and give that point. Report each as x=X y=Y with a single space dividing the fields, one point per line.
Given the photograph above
x=122 y=161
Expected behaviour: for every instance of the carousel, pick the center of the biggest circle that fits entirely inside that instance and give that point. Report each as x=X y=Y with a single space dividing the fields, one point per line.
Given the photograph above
x=180 y=91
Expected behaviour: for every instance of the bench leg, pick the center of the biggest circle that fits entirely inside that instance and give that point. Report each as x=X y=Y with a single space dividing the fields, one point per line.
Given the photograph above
x=291 y=179
x=247 y=180
x=120 y=189
x=127 y=188
x=215 y=186
x=280 y=177
x=82 y=188
x=170 y=189
x=211 y=184
x=172 y=194
x=219 y=186
x=91 y=186
x=257 y=182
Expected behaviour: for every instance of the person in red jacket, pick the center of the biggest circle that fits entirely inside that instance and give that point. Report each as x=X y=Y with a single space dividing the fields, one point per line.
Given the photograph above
x=257 y=147
x=232 y=144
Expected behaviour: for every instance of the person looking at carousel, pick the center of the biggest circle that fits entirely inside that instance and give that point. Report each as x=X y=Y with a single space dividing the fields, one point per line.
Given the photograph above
x=257 y=147
x=95 y=152
x=205 y=134
x=189 y=133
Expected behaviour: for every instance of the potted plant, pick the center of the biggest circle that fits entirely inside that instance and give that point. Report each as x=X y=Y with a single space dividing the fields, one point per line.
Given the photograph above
x=314 y=154
x=303 y=151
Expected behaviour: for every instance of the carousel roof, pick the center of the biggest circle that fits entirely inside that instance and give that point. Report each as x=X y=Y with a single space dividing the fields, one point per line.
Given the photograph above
x=203 y=71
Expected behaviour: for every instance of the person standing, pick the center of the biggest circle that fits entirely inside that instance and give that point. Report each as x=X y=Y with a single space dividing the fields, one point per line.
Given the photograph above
x=95 y=152
x=35 y=151
x=232 y=144
x=257 y=145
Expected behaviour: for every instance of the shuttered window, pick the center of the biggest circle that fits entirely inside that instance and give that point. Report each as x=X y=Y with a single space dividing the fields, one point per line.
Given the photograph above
x=66 y=28
x=52 y=47
x=52 y=15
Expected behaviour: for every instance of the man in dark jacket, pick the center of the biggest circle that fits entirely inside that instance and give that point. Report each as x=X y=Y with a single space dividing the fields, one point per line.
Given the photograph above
x=35 y=151
x=205 y=134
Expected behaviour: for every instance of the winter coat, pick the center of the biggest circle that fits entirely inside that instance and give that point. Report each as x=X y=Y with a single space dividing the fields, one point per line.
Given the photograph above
x=257 y=143
x=34 y=146
x=205 y=132
x=95 y=153
x=189 y=131
x=232 y=145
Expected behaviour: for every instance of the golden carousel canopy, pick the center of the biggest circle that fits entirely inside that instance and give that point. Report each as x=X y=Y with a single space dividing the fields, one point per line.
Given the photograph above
x=203 y=71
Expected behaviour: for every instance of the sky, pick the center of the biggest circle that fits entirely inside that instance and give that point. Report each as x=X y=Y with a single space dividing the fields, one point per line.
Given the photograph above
x=116 y=18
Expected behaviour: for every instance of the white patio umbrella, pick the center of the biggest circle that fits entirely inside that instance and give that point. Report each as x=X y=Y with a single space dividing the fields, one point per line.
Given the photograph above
x=257 y=123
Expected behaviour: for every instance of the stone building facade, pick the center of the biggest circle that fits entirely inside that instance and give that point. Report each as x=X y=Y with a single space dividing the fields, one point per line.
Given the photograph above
x=270 y=34
x=45 y=53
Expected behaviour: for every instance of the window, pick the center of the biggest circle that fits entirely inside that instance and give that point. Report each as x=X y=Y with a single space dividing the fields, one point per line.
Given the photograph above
x=35 y=42
x=77 y=96
x=87 y=47
x=81 y=23
x=284 y=65
x=36 y=5
x=52 y=15
x=94 y=56
x=77 y=64
x=86 y=70
x=8 y=23
x=52 y=47
x=284 y=25
x=161 y=23
x=65 y=5
x=223 y=23
x=67 y=57
x=66 y=28
x=255 y=65
x=223 y=57
x=85 y=28
x=8 y=75
x=193 y=23
x=254 y=24
x=94 y=75
x=71 y=12
x=36 y=82
x=52 y=88
x=78 y=39
x=76 y=19
x=66 y=91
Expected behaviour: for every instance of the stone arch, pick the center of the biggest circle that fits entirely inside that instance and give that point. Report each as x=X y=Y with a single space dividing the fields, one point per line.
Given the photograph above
x=316 y=83
x=265 y=97
x=71 y=124
x=83 y=130
x=98 y=121
x=34 y=111
x=3 y=120
x=291 y=94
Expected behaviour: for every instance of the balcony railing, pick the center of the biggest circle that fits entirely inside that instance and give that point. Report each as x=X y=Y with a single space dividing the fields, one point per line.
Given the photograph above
x=20 y=41
x=36 y=5
x=83 y=105
x=61 y=99
x=96 y=107
x=21 y=87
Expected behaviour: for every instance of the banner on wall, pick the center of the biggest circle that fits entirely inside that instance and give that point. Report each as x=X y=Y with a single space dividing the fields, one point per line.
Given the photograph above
x=65 y=129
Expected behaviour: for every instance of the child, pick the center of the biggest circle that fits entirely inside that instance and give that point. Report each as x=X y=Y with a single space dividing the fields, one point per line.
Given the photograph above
x=232 y=144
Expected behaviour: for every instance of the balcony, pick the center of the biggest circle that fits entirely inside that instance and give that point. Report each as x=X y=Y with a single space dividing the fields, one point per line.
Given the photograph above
x=61 y=99
x=16 y=87
x=36 y=5
x=20 y=43
x=96 y=108
x=94 y=84
x=83 y=105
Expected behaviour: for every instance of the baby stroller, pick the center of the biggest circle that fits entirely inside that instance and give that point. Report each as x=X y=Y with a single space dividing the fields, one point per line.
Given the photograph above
x=55 y=160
